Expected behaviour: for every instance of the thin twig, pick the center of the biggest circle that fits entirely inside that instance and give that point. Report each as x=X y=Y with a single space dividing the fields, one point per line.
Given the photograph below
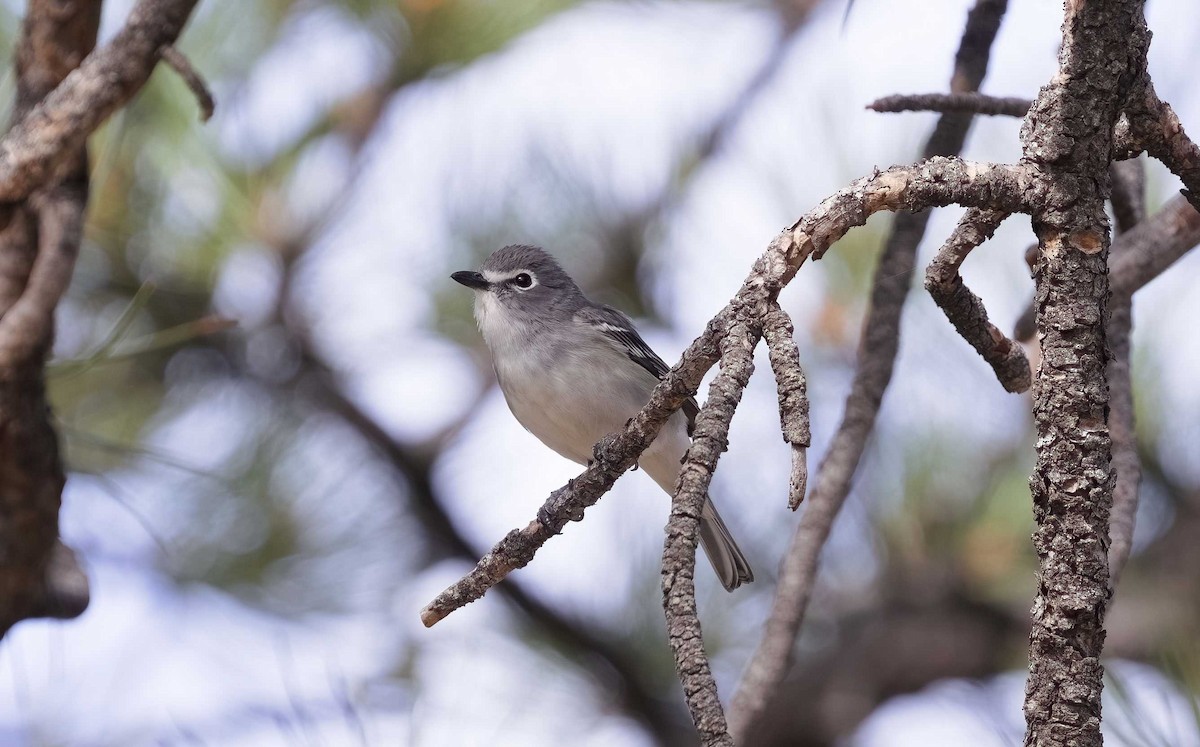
x=965 y=310
x=967 y=102
x=877 y=351
x=793 y=397
x=711 y=438
x=192 y=79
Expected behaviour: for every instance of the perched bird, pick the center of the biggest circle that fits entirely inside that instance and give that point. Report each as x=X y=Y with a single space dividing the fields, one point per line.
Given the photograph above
x=574 y=371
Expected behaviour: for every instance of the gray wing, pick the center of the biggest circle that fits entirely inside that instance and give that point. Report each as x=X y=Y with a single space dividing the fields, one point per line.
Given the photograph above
x=618 y=327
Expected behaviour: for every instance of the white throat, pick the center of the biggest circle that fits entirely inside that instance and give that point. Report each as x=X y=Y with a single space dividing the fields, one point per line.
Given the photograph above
x=503 y=333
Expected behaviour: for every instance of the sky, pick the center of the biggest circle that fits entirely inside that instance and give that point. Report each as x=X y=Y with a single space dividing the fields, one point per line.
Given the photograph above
x=607 y=89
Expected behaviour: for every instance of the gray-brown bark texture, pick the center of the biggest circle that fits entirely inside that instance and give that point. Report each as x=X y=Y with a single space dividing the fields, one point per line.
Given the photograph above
x=63 y=93
x=683 y=527
x=1068 y=141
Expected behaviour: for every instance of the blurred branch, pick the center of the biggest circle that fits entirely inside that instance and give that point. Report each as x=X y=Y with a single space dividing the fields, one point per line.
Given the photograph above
x=915 y=631
x=44 y=141
x=1146 y=251
x=793 y=397
x=710 y=440
x=876 y=357
x=26 y=328
x=1129 y=207
x=39 y=576
x=965 y=310
x=170 y=337
x=1128 y=196
x=192 y=79
x=1124 y=436
x=967 y=102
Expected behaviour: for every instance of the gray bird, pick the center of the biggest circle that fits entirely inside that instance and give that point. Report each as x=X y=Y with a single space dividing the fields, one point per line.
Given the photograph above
x=574 y=371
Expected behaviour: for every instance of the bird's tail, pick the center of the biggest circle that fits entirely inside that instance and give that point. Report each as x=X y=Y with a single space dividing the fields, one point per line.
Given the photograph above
x=726 y=557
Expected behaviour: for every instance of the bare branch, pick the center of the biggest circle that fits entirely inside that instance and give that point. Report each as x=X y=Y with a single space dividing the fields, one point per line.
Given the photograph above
x=1143 y=253
x=793 y=397
x=26 y=328
x=41 y=143
x=1103 y=54
x=1129 y=207
x=876 y=356
x=1124 y=439
x=192 y=79
x=711 y=439
x=1157 y=129
x=967 y=102
x=1128 y=196
x=965 y=310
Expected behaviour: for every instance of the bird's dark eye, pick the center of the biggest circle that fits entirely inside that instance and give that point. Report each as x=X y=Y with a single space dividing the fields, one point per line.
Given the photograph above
x=523 y=280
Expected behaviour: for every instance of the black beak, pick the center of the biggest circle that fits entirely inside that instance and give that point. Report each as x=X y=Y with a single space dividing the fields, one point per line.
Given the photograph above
x=470 y=279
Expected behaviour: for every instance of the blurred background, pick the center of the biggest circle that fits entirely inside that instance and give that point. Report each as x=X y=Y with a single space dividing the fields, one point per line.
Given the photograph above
x=263 y=509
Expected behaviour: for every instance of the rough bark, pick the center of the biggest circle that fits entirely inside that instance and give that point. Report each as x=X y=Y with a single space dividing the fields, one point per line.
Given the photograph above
x=965 y=310
x=710 y=440
x=793 y=397
x=1068 y=143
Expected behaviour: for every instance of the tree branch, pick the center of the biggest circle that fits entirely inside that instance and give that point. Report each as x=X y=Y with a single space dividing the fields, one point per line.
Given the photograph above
x=1147 y=250
x=1129 y=208
x=965 y=310
x=43 y=183
x=1157 y=129
x=192 y=79
x=1068 y=141
x=793 y=397
x=1128 y=192
x=711 y=439
x=967 y=102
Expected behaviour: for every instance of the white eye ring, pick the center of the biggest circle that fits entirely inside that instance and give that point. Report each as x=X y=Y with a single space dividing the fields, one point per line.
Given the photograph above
x=523 y=280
